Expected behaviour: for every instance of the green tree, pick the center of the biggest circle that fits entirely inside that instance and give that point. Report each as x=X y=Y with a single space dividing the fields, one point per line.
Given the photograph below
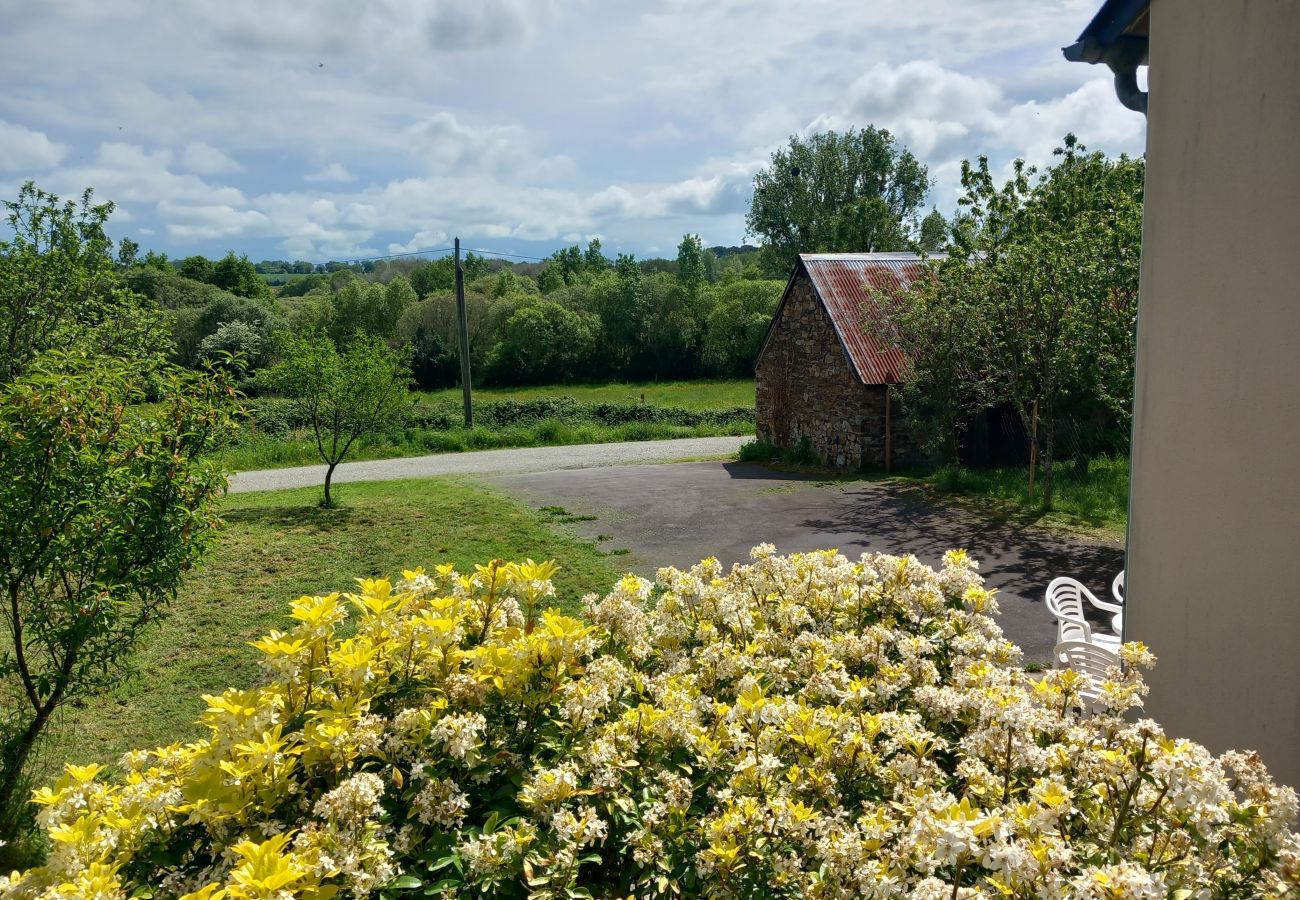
x=737 y=323
x=1061 y=269
x=855 y=191
x=941 y=327
x=434 y=277
x=690 y=265
x=594 y=259
x=544 y=342
x=933 y=235
x=59 y=287
x=197 y=268
x=341 y=395
x=104 y=504
x=550 y=278
x=236 y=274
x=127 y=251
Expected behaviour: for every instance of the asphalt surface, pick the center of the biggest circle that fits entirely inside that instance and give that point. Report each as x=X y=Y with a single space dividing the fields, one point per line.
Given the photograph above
x=490 y=462
x=677 y=514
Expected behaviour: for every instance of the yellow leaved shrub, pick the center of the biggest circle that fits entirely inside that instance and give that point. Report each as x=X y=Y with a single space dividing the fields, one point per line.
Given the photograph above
x=803 y=725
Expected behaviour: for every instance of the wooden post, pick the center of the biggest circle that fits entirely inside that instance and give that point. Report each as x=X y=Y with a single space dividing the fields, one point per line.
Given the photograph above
x=462 y=321
x=889 y=432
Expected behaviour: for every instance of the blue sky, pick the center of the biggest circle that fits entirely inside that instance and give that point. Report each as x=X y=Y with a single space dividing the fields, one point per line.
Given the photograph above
x=333 y=130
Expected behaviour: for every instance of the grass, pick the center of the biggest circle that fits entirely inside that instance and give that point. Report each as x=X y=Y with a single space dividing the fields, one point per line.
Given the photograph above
x=300 y=450
x=280 y=545
x=692 y=395
x=1095 y=500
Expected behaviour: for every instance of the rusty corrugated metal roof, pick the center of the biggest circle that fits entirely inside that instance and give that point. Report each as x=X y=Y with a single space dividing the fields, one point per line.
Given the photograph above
x=840 y=280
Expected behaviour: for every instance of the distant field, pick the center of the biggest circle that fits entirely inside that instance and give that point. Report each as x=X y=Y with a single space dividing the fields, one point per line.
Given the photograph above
x=693 y=395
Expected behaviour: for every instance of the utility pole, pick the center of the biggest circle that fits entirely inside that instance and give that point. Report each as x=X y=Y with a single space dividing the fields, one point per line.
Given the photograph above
x=462 y=321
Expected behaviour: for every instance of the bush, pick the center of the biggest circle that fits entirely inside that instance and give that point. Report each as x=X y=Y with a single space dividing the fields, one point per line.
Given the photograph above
x=758 y=450
x=802 y=726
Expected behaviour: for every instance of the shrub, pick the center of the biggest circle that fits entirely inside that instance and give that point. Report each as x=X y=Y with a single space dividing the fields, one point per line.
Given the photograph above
x=802 y=726
x=758 y=450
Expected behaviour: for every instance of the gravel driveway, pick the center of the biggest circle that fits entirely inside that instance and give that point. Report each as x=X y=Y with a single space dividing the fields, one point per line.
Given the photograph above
x=491 y=462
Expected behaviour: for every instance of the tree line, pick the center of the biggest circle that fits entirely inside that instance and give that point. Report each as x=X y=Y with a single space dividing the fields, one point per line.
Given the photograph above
x=579 y=316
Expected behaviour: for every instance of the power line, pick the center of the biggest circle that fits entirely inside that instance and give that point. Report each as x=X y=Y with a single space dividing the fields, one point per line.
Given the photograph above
x=348 y=262
x=514 y=255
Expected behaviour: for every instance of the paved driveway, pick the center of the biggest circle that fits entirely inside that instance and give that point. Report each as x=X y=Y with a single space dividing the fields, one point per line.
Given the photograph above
x=675 y=514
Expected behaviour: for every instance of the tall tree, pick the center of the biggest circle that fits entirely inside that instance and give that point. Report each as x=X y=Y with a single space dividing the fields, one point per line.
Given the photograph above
x=690 y=265
x=852 y=191
x=1061 y=273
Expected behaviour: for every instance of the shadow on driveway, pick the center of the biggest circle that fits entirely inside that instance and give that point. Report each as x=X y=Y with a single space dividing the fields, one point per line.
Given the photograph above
x=676 y=514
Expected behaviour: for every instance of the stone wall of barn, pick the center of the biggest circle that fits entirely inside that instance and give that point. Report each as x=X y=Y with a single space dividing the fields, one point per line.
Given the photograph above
x=805 y=387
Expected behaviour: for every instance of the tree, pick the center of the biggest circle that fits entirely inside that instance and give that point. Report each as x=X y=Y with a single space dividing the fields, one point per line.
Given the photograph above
x=1060 y=265
x=933 y=235
x=690 y=265
x=343 y=395
x=434 y=277
x=594 y=259
x=104 y=504
x=236 y=274
x=372 y=308
x=196 y=268
x=941 y=327
x=127 y=251
x=59 y=287
x=238 y=346
x=544 y=342
x=856 y=191
x=740 y=315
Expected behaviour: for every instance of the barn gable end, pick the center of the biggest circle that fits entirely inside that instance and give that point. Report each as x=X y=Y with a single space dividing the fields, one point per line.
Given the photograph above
x=820 y=375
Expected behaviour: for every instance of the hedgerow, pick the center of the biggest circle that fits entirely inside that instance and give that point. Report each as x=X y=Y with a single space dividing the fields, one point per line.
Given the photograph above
x=276 y=417
x=799 y=726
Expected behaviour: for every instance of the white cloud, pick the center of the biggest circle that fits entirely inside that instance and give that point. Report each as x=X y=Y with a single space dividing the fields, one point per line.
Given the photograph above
x=341 y=127
x=204 y=159
x=22 y=149
x=451 y=147
x=332 y=172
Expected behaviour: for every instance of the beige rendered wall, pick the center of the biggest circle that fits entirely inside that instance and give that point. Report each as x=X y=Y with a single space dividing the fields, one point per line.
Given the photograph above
x=1214 y=535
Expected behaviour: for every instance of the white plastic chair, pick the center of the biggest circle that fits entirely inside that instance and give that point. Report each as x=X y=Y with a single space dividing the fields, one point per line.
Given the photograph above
x=1117 y=591
x=1064 y=600
x=1093 y=663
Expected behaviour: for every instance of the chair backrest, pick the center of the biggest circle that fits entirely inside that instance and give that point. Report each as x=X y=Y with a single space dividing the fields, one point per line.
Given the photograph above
x=1092 y=662
x=1064 y=599
x=1117 y=588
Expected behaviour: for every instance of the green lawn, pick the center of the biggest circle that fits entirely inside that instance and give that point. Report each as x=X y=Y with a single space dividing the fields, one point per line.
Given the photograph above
x=1095 y=500
x=280 y=545
x=694 y=395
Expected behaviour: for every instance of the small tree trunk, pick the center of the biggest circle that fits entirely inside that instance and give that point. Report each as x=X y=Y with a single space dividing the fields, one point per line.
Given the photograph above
x=329 y=476
x=1033 y=447
x=1047 y=466
x=16 y=758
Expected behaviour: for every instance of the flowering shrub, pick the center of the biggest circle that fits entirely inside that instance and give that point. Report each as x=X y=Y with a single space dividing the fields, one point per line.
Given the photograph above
x=800 y=726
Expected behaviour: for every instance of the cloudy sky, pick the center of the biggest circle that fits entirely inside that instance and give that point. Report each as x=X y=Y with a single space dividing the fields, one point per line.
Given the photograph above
x=338 y=129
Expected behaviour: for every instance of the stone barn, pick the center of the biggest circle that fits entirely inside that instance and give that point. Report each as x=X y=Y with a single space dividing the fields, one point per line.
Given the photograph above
x=820 y=375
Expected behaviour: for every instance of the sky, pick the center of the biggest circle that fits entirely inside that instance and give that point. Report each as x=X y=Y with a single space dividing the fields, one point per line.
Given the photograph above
x=340 y=129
